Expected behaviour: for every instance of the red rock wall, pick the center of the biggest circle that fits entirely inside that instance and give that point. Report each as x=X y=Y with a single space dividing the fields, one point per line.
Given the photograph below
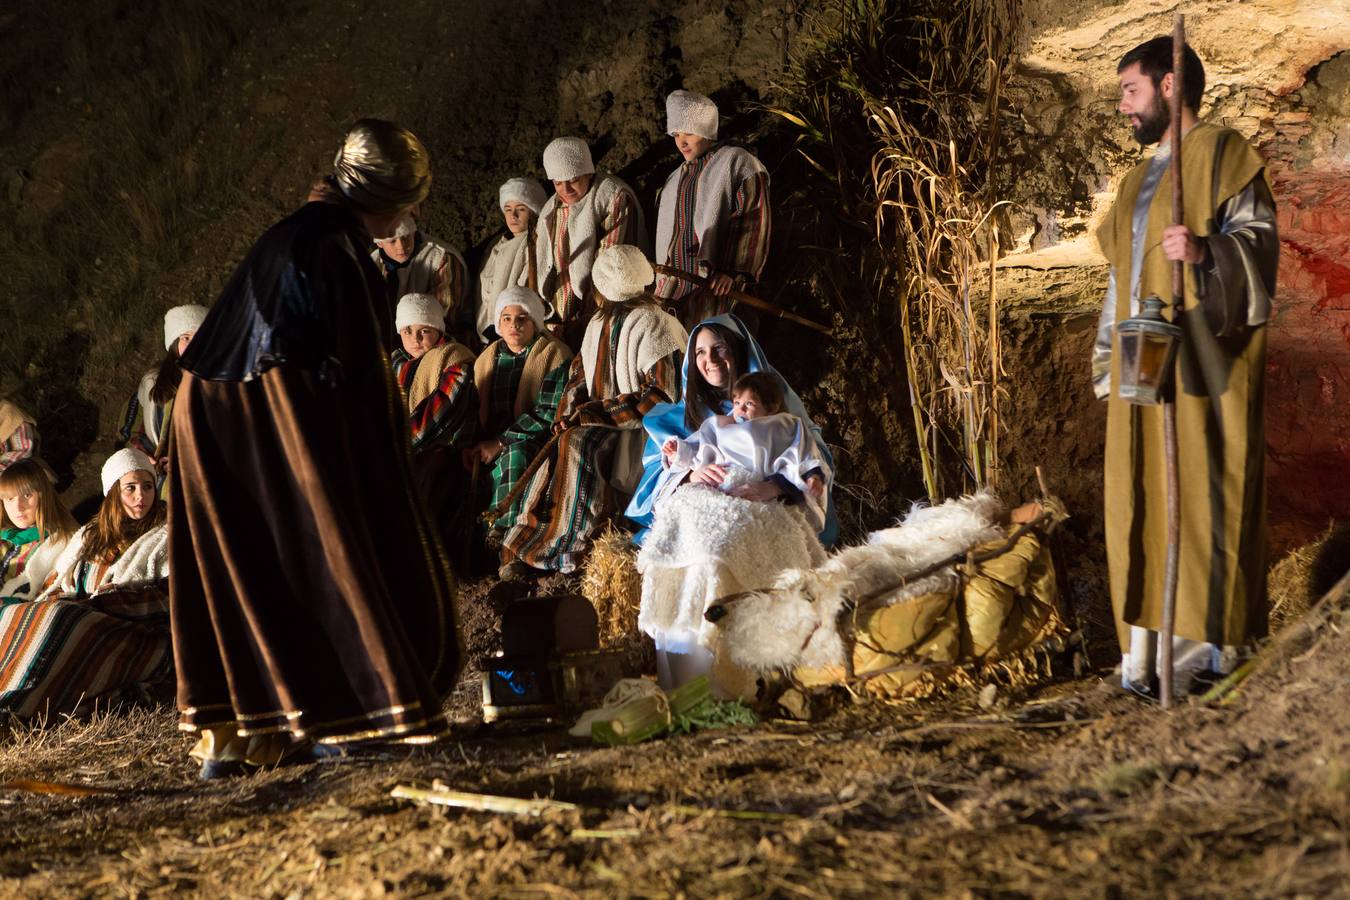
x=1308 y=406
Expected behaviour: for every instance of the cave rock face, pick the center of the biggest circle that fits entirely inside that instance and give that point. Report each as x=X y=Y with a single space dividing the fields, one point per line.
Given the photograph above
x=1279 y=73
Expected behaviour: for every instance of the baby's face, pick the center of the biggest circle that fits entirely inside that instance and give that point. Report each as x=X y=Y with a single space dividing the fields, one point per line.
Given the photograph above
x=747 y=405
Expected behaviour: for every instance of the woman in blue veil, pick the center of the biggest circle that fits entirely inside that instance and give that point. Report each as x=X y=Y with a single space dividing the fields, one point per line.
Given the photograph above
x=682 y=419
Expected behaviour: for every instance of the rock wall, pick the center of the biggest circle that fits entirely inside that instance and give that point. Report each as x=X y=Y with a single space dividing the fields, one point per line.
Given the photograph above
x=1279 y=73
x=145 y=146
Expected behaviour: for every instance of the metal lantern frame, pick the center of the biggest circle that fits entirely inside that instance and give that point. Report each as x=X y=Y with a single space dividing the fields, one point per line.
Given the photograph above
x=1148 y=352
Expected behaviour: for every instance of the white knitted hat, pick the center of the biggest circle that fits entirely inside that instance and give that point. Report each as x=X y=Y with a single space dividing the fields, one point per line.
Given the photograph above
x=405 y=227
x=516 y=295
x=621 y=273
x=521 y=190
x=419 y=309
x=122 y=462
x=692 y=114
x=566 y=158
x=182 y=319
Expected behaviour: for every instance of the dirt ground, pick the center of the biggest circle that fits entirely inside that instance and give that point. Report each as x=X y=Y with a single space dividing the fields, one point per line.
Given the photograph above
x=1070 y=789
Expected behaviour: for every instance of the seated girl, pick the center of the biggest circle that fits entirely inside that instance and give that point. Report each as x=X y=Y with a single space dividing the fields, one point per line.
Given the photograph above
x=35 y=527
x=520 y=379
x=145 y=422
x=101 y=624
x=18 y=435
x=433 y=371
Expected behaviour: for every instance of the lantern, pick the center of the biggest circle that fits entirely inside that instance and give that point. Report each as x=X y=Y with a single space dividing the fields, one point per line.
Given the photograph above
x=1148 y=348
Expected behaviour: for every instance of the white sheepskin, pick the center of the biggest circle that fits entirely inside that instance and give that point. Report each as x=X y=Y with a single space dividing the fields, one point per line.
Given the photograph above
x=793 y=623
x=704 y=544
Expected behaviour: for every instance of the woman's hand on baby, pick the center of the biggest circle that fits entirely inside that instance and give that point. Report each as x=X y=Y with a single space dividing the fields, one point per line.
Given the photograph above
x=758 y=490
x=712 y=474
x=815 y=486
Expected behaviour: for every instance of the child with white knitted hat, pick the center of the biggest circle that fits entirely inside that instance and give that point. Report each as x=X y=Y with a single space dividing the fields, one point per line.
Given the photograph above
x=520 y=379
x=145 y=419
x=627 y=365
x=713 y=215
x=512 y=259
x=435 y=374
x=588 y=212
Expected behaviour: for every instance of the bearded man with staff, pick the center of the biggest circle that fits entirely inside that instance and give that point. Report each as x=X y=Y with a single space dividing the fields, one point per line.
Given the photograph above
x=1229 y=248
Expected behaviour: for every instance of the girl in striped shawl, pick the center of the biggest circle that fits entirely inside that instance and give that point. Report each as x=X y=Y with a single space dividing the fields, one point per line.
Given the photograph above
x=101 y=624
x=35 y=527
x=435 y=375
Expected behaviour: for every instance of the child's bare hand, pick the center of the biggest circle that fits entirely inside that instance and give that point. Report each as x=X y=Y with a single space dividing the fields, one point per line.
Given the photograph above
x=712 y=474
x=669 y=447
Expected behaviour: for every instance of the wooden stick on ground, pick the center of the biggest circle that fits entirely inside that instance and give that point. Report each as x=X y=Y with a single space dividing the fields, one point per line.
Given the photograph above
x=1281 y=642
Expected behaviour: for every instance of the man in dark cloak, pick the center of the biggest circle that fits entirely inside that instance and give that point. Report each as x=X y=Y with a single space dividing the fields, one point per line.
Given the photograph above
x=310 y=599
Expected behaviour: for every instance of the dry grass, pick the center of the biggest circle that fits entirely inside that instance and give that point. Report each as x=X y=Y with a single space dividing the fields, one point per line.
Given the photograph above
x=612 y=583
x=1291 y=582
x=917 y=88
x=936 y=215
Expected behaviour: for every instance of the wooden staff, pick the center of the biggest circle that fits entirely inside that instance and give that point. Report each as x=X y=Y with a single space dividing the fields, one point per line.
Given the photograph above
x=1169 y=603
x=475 y=475
x=492 y=515
x=742 y=297
x=533 y=263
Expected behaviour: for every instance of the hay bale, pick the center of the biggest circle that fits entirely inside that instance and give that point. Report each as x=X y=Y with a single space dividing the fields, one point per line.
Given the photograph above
x=1291 y=583
x=612 y=583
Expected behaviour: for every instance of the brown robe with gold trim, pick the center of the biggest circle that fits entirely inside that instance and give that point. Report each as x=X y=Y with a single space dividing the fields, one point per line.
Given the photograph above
x=1221 y=594
x=308 y=593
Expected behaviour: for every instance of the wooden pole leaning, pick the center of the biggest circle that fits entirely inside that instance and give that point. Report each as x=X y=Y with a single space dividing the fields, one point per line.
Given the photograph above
x=741 y=297
x=1170 y=573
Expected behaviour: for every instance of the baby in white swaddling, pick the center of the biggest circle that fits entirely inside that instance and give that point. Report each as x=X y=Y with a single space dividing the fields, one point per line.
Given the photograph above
x=755 y=449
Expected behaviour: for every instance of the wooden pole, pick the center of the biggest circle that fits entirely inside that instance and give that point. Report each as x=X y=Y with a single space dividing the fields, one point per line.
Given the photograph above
x=742 y=297
x=1169 y=605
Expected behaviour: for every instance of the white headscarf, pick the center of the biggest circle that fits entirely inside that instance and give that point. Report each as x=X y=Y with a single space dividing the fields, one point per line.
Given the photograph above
x=566 y=158
x=522 y=190
x=621 y=272
x=691 y=113
x=182 y=319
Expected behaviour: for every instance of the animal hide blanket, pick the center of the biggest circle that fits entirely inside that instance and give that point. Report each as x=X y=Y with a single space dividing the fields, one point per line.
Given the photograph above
x=705 y=544
x=793 y=623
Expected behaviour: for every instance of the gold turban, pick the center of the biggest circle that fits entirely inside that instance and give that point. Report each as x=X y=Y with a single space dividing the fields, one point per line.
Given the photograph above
x=382 y=168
